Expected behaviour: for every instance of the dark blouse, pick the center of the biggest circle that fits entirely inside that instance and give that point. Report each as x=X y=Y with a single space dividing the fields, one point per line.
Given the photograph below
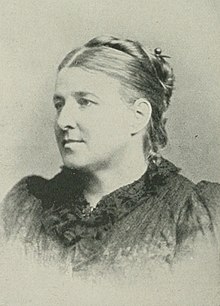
x=157 y=218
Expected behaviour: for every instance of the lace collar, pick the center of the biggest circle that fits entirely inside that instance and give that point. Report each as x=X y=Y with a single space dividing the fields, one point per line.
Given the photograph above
x=68 y=218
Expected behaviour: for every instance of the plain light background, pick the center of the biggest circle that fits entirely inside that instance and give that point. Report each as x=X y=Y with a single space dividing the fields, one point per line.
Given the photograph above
x=36 y=35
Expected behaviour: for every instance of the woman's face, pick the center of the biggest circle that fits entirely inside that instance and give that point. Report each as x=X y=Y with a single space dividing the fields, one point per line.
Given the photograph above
x=93 y=123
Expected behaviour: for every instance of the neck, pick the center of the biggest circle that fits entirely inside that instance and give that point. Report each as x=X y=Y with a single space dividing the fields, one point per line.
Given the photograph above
x=102 y=182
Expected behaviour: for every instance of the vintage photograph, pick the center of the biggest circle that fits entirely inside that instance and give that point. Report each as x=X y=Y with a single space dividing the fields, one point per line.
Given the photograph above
x=110 y=190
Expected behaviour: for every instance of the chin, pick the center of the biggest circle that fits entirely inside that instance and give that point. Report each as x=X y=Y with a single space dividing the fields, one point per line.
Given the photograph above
x=74 y=163
x=85 y=162
x=84 y=166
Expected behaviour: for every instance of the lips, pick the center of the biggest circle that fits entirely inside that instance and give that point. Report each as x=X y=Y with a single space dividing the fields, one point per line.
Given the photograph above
x=67 y=141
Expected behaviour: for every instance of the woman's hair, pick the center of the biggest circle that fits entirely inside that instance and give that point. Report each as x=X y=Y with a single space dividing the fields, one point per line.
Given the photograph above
x=142 y=74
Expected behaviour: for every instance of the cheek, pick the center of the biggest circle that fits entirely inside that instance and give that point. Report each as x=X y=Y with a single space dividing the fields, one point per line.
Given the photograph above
x=106 y=125
x=117 y=122
x=107 y=131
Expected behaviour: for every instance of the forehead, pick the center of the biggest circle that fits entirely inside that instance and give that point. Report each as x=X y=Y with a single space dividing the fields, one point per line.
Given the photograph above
x=77 y=79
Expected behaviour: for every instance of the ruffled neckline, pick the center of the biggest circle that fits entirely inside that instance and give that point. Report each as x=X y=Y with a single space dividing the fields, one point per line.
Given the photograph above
x=68 y=218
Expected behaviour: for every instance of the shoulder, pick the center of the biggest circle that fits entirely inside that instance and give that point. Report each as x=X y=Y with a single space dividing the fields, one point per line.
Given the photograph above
x=25 y=202
x=178 y=189
x=209 y=194
x=187 y=208
x=198 y=223
x=32 y=195
x=22 y=203
x=171 y=189
x=39 y=188
x=203 y=205
x=26 y=187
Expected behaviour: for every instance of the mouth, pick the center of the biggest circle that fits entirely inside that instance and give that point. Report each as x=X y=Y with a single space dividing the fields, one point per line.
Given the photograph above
x=71 y=141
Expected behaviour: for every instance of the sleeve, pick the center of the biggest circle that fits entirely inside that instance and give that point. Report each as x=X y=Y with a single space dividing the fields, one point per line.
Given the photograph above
x=19 y=209
x=196 y=230
x=209 y=194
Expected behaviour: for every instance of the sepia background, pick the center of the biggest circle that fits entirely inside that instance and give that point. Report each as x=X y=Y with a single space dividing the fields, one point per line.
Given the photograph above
x=35 y=36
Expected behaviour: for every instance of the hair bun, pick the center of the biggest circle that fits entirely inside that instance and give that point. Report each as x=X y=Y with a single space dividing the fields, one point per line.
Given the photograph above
x=164 y=73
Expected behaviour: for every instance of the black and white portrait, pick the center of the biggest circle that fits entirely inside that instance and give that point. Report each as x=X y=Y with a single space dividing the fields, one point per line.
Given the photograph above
x=110 y=153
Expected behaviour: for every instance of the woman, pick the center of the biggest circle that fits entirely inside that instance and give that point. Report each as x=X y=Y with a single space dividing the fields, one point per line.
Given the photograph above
x=116 y=201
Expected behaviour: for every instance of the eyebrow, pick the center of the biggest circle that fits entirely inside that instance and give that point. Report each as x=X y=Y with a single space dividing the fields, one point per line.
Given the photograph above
x=77 y=94
x=81 y=94
x=58 y=97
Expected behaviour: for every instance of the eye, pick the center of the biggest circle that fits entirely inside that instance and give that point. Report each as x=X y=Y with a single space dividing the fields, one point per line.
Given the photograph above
x=85 y=102
x=58 y=105
x=58 y=102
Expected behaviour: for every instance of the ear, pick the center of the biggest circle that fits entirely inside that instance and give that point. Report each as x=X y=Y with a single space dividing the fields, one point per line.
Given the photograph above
x=142 y=113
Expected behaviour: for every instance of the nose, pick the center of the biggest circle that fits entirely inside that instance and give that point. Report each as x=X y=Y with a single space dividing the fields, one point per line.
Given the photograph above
x=66 y=118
